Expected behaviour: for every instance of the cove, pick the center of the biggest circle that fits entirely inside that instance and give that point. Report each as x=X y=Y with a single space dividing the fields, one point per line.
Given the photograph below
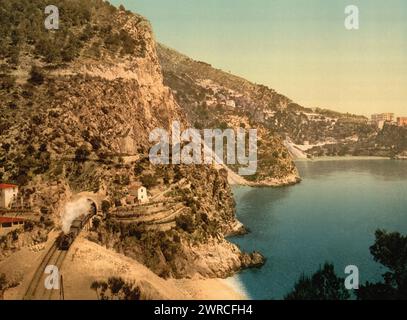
x=331 y=216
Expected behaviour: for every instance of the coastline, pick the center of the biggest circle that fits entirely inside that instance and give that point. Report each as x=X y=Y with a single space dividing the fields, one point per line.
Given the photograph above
x=288 y=180
x=236 y=286
x=211 y=289
x=343 y=158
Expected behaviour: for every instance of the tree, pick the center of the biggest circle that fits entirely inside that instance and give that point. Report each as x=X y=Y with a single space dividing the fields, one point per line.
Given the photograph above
x=96 y=143
x=389 y=249
x=323 y=285
x=36 y=76
x=115 y=285
x=95 y=286
x=95 y=223
x=128 y=43
x=105 y=206
x=116 y=288
x=149 y=181
x=43 y=147
x=28 y=226
x=6 y=147
x=138 y=168
x=82 y=154
x=185 y=222
x=131 y=293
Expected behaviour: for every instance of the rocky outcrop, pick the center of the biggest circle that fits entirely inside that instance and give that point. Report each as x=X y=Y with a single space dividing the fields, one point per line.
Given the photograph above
x=80 y=122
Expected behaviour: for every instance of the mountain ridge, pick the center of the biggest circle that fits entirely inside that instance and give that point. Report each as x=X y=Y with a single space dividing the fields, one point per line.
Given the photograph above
x=313 y=132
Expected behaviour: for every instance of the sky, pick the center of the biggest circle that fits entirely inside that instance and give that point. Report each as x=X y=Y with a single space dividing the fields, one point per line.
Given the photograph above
x=300 y=48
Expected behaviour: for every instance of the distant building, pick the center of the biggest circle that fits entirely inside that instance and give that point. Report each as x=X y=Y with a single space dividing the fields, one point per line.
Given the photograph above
x=314 y=116
x=402 y=121
x=142 y=195
x=231 y=104
x=8 y=195
x=380 y=124
x=381 y=118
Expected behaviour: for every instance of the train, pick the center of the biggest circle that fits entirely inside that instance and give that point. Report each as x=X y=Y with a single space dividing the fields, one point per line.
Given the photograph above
x=64 y=241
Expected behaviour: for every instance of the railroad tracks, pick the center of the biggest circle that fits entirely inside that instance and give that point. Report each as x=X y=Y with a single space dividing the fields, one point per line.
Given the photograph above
x=36 y=289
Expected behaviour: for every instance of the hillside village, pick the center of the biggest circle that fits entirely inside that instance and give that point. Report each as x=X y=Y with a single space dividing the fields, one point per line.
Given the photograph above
x=307 y=132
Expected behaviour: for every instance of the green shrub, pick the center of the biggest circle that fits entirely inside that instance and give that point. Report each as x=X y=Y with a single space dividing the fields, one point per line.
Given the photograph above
x=185 y=222
x=149 y=181
x=82 y=154
x=36 y=76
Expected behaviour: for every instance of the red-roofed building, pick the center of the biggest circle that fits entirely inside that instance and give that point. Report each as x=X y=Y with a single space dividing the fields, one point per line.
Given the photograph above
x=402 y=121
x=8 y=222
x=8 y=195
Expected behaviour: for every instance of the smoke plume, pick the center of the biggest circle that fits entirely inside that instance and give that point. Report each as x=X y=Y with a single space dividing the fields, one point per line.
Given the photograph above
x=72 y=211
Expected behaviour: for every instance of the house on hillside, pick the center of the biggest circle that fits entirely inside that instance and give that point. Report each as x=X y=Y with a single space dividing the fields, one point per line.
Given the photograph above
x=10 y=222
x=8 y=195
x=138 y=193
x=142 y=195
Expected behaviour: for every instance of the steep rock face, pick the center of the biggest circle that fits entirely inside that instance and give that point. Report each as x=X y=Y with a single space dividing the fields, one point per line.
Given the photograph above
x=196 y=245
x=79 y=121
x=96 y=106
x=214 y=99
x=105 y=104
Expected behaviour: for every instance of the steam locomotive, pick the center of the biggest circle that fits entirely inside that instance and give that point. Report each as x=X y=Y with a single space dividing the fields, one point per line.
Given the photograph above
x=64 y=241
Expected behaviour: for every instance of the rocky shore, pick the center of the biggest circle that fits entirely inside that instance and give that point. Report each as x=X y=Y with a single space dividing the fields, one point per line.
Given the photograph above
x=288 y=180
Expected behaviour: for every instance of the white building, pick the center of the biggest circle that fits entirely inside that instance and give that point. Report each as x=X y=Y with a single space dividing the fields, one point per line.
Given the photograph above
x=386 y=117
x=142 y=195
x=380 y=124
x=8 y=195
x=231 y=103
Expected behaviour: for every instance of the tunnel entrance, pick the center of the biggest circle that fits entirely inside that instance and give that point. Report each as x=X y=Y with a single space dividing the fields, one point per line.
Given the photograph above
x=93 y=207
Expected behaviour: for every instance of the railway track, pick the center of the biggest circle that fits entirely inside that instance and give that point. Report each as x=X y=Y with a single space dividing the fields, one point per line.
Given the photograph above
x=55 y=256
x=36 y=289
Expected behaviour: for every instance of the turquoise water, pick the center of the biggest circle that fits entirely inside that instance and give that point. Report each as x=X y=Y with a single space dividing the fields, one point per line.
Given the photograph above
x=331 y=216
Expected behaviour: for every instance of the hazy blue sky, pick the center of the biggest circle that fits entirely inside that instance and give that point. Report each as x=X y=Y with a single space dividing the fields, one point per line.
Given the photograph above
x=298 y=47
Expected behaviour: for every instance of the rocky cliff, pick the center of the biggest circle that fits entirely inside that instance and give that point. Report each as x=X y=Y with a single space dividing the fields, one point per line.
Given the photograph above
x=212 y=99
x=78 y=105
